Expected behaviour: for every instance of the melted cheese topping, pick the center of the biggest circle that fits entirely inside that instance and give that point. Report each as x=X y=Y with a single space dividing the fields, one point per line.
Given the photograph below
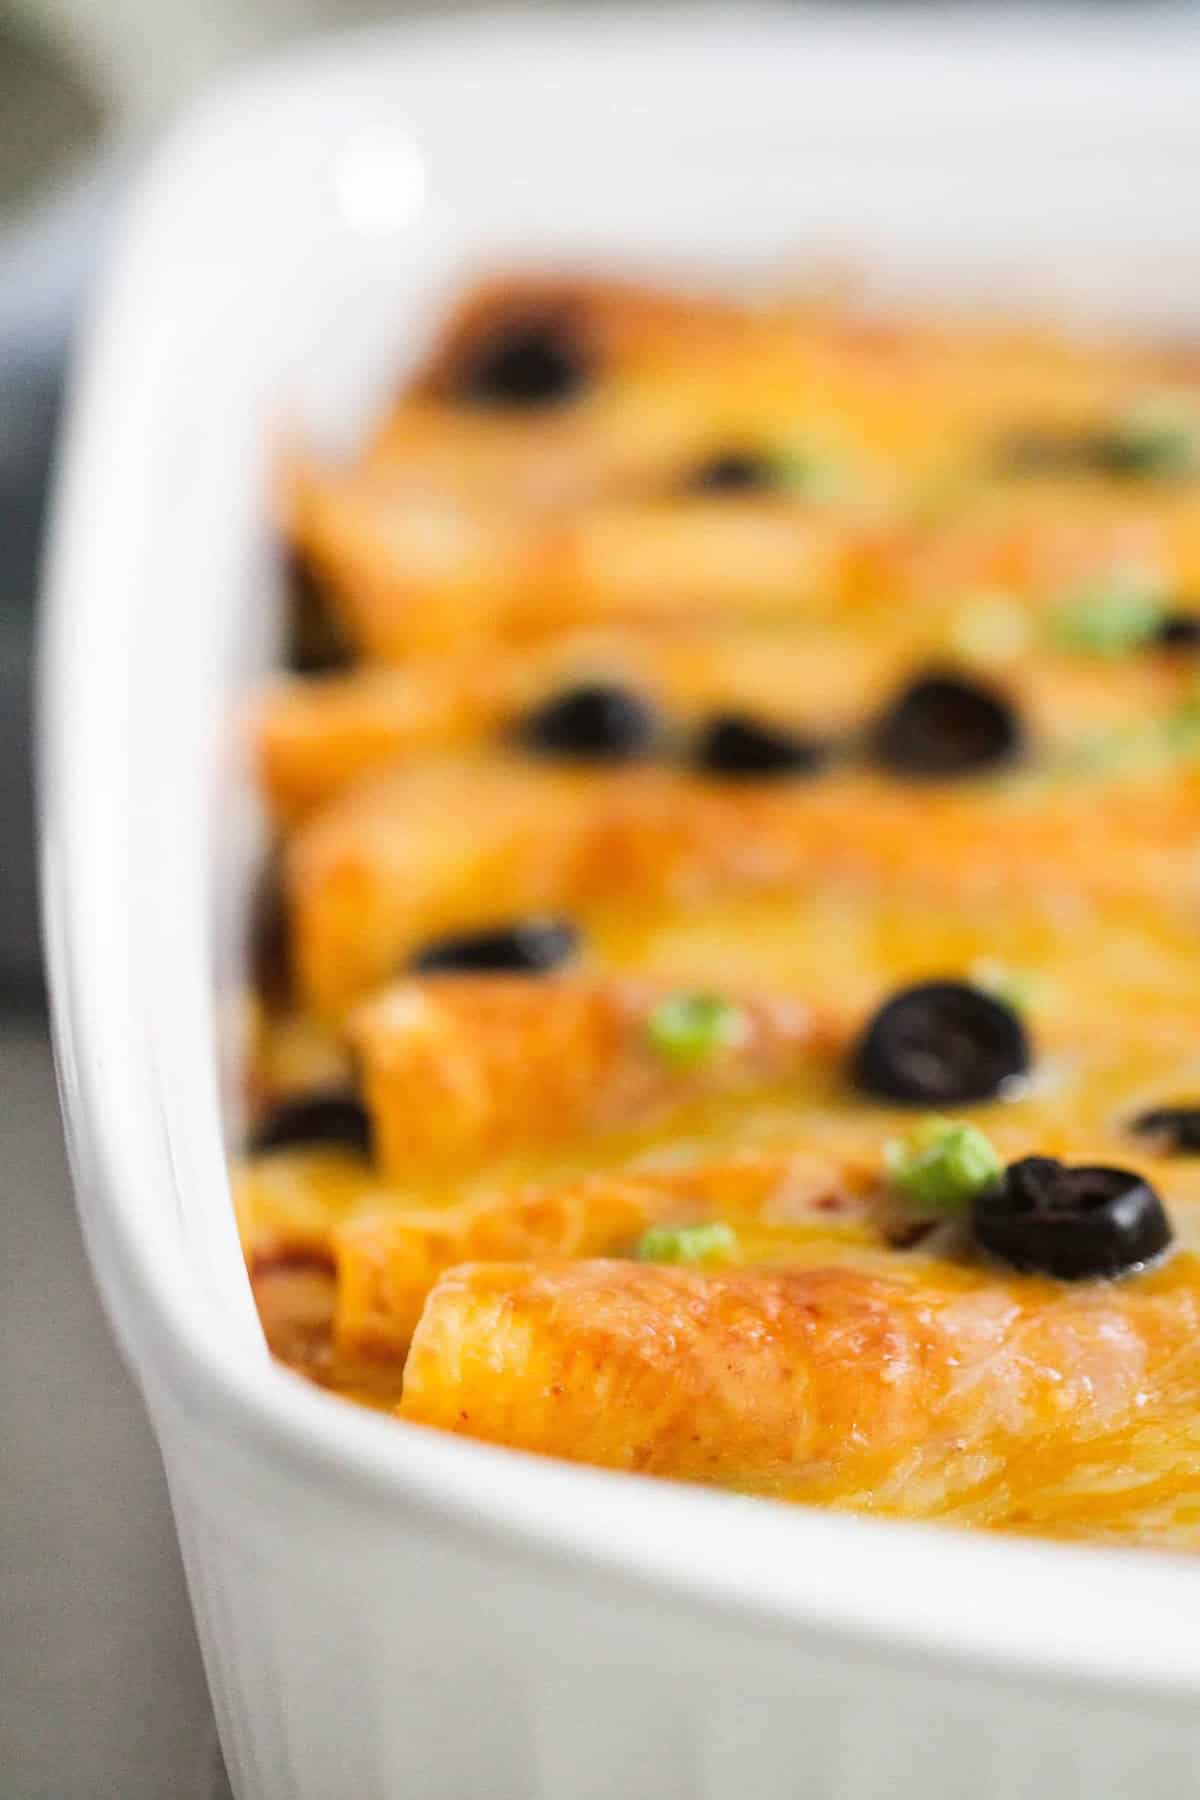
x=478 y=1271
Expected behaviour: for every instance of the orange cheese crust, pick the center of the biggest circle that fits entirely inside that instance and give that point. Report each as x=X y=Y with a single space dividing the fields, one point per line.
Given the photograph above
x=313 y=738
x=413 y=577
x=417 y=576
x=515 y=524
x=387 y=1262
x=417 y=852
x=828 y=1385
x=493 y=1062
x=472 y=1257
x=793 y=1164
x=730 y=1378
x=313 y=1211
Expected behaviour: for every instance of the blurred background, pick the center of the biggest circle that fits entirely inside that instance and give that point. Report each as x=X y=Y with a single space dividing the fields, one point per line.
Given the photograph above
x=101 y=1692
x=102 y=1696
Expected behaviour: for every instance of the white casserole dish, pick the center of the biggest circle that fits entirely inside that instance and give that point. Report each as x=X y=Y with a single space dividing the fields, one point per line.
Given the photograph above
x=384 y=1611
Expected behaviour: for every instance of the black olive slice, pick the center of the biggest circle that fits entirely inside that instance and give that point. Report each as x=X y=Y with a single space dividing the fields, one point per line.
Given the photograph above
x=1177 y=1126
x=334 y=1117
x=940 y=1043
x=528 y=947
x=599 y=722
x=733 y=472
x=1179 y=631
x=734 y=744
x=943 y=725
x=1073 y=1223
x=536 y=360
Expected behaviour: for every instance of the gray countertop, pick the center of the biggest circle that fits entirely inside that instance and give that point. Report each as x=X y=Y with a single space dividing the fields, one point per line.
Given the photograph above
x=102 y=1695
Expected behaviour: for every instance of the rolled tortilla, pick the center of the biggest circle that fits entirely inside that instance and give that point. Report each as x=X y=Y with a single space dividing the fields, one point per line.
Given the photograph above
x=828 y=1385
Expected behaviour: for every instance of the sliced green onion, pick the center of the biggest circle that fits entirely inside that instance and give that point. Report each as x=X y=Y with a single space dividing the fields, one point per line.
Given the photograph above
x=1111 y=616
x=1160 y=436
x=1181 y=729
x=814 y=474
x=689 y=1244
x=942 y=1165
x=1143 y=747
x=687 y=1029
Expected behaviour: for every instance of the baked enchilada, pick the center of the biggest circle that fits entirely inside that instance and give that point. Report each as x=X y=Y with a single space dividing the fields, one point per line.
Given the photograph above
x=725 y=995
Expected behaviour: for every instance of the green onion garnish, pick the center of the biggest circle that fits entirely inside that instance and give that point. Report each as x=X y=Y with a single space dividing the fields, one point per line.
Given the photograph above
x=1147 y=745
x=1161 y=436
x=812 y=473
x=687 y=1029
x=942 y=1165
x=689 y=1244
x=1118 y=613
x=1181 y=728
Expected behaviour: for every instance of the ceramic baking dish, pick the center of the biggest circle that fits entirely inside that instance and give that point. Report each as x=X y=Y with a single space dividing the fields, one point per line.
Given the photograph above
x=385 y=1612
